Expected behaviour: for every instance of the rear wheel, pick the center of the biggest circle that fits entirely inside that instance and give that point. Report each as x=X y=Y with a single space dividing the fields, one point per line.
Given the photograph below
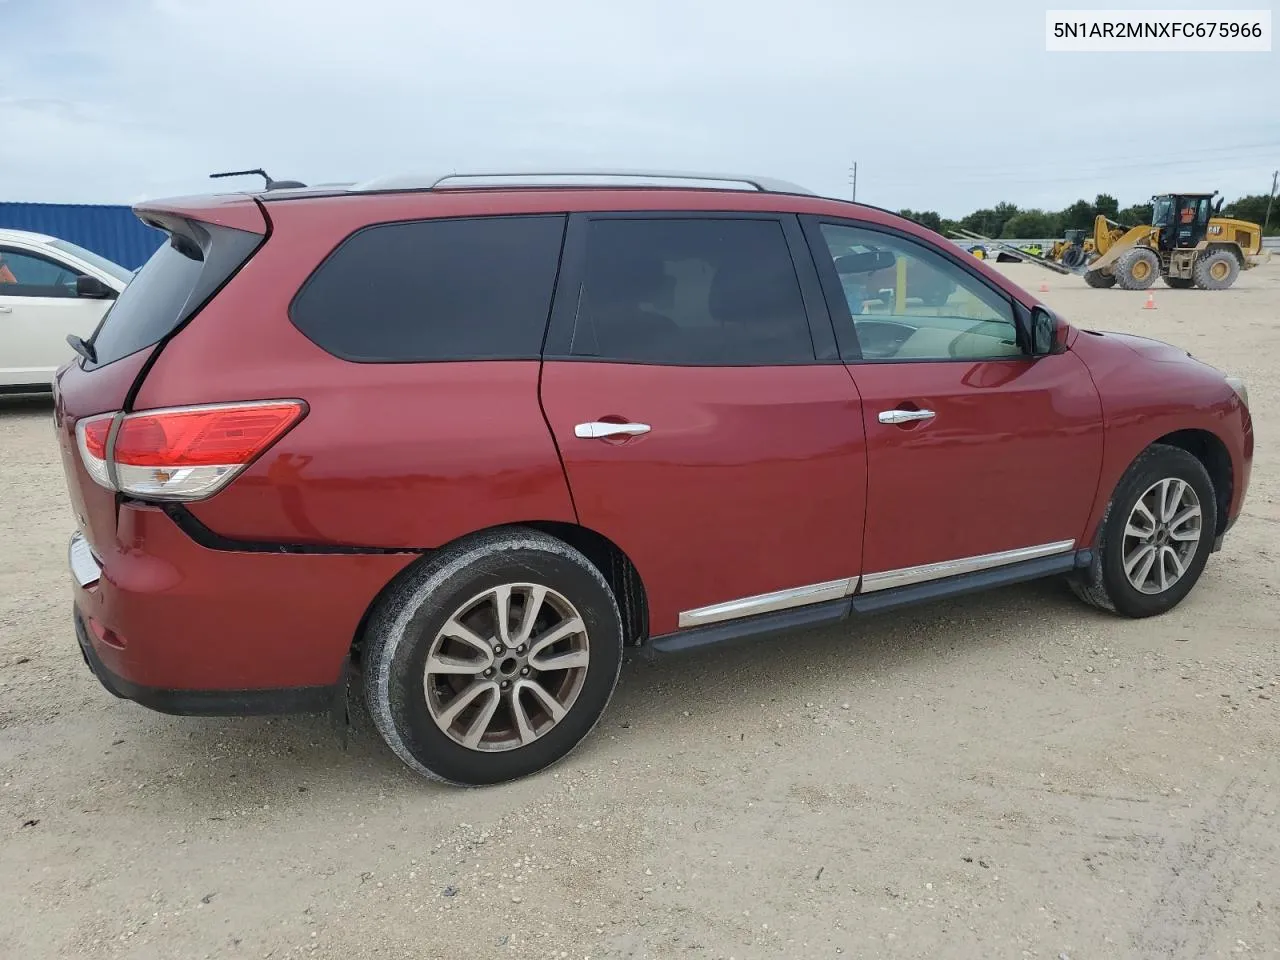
x=1136 y=269
x=493 y=659
x=1216 y=270
x=1156 y=536
x=1096 y=278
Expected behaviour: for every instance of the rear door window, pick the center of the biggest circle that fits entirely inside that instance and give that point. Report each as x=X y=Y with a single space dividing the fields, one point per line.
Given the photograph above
x=719 y=291
x=435 y=290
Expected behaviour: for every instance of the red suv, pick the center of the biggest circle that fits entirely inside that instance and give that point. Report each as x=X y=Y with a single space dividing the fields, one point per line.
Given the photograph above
x=460 y=441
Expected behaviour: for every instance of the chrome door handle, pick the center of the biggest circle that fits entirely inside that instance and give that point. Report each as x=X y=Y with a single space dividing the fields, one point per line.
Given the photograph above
x=597 y=429
x=905 y=416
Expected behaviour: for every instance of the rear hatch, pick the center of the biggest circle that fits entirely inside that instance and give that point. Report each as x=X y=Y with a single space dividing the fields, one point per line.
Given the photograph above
x=208 y=240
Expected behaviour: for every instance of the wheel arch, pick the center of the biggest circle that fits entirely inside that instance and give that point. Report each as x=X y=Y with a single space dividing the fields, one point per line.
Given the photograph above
x=1208 y=448
x=1207 y=247
x=605 y=555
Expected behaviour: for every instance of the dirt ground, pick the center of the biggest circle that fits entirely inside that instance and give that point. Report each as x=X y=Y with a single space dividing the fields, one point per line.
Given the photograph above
x=1009 y=775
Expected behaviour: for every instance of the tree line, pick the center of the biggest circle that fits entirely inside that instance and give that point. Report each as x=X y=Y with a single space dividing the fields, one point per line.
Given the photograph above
x=1007 y=221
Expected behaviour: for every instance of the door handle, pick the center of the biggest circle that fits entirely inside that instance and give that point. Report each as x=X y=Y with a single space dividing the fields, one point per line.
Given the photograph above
x=905 y=416
x=6 y=309
x=598 y=429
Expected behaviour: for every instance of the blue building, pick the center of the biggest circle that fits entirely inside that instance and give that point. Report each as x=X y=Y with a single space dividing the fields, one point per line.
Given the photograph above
x=108 y=230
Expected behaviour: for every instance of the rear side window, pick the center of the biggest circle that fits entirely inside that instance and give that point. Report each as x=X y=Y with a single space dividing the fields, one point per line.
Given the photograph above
x=467 y=289
x=171 y=286
x=714 y=292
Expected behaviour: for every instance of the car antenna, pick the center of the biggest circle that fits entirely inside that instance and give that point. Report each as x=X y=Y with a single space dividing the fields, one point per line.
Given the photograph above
x=271 y=184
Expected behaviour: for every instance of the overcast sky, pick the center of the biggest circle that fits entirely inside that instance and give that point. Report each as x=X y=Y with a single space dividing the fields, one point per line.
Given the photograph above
x=946 y=105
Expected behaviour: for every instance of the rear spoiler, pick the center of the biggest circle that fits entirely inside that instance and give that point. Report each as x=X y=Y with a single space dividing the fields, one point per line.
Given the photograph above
x=237 y=211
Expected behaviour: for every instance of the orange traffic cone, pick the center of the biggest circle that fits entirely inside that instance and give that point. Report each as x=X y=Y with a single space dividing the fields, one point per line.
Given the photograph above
x=1044 y=288
x=1151 y=302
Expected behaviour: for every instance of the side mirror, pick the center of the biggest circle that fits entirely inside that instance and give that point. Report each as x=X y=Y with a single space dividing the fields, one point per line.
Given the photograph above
x=93 y=288
x=1044 y=332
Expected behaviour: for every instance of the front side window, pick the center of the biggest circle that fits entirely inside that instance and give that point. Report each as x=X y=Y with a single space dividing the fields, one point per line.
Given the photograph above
x=704 y=292
x=27 y=275
x=907 y=302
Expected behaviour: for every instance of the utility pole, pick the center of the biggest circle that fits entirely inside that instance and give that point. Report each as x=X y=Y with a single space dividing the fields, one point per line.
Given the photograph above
x=1267 y=219
x=853 y=179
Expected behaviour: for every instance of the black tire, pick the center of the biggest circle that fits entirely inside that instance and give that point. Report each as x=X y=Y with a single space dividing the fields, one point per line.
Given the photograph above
x=1136 y=269
x=1073 y=257
x=1221 y=262
x=1179 y=283
x=406 y=622
x=1096 y=278
x=1104 y=584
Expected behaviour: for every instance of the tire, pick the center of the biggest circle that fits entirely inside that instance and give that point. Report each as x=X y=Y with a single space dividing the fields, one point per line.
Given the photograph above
x=1096 y=278
x=460 y=585
x=1105 y=583
x=1136 y=269
x=1179 y=283
x=1216 y=270
x=1073 y=257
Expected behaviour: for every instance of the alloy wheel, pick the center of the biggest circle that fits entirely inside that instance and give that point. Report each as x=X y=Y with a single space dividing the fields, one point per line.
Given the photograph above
x=1161 y=535
x=506 y=667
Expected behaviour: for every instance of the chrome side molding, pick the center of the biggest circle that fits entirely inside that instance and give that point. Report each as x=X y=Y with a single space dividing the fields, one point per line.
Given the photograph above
x=769 y=602
x=951 y=568
x=871 y=582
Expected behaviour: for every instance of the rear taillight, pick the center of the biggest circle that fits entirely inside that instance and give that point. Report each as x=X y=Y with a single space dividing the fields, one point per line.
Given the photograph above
x=181 y=453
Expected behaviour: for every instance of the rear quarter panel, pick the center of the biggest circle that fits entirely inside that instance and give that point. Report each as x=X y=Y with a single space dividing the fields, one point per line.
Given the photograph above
x=1144 y=399
x=388 y=455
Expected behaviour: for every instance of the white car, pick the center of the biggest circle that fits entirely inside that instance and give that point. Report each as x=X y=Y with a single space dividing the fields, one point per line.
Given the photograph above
x=49 y=289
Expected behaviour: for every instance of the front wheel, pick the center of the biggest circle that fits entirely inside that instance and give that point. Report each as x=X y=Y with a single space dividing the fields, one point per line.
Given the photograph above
x=1156 y=537
x=493 y=659
x=1136 y=269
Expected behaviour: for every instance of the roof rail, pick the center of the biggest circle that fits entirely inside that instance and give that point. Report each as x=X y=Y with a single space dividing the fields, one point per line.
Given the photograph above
x=578 y=178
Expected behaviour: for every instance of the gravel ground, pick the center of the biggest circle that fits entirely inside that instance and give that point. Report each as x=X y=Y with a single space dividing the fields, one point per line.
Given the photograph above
x=1009 y=775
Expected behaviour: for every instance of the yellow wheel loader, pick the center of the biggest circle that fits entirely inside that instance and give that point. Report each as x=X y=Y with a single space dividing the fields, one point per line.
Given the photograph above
x=1187 y=244
x=1072 y=250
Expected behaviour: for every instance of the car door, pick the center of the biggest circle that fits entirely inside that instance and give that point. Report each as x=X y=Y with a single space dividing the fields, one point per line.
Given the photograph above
x=978 y=455
x=38 y=309
x=706 y=424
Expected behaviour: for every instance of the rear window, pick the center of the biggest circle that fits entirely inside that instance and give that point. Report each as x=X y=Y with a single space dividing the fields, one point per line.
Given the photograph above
x=466 y=289
x=180 y=276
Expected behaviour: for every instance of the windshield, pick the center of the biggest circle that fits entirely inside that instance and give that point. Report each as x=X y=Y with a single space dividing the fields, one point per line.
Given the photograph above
x=1161 y=212
x=88 y=256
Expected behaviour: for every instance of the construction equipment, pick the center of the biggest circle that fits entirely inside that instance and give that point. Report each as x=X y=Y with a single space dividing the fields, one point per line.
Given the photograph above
x=1072 y=250
x=1017 y=252
x=1186 y=243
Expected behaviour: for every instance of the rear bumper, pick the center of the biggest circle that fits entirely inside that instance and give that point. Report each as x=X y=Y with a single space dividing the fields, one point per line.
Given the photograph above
x=186 y=629
x=207 y=703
